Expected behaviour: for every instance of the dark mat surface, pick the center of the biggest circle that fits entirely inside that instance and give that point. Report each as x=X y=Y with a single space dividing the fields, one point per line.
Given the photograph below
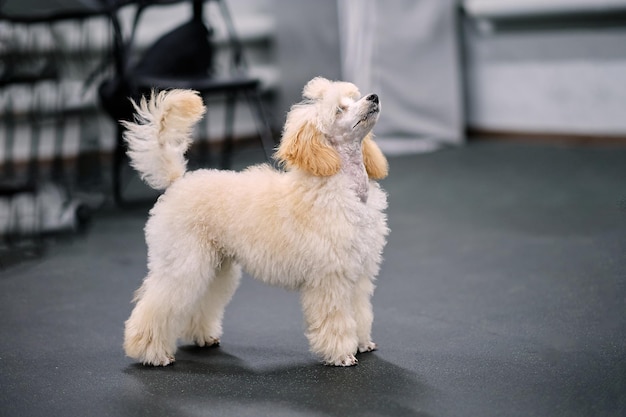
x=503 y=293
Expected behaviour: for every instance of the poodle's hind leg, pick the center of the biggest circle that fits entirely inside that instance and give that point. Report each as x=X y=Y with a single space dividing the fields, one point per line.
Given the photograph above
x=363 y=313
x=204 y=327
x=165 y=299
x=329 y=316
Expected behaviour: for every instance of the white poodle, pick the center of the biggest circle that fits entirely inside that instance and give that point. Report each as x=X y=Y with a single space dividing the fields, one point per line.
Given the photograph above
x=319 y=227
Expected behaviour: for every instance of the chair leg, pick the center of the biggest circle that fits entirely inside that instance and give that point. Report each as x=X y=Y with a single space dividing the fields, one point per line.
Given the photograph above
x=262 y=125
x=121 y=182
x=227 y=151
x=8 y=165
x=119 y=156
x=200 y=154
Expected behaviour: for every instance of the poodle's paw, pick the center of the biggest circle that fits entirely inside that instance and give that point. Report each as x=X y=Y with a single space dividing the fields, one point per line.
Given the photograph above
x=155 y=357
x=207 y=341
x=146 y=349
x=367 y=347
x=162 y=360
x=347 y=360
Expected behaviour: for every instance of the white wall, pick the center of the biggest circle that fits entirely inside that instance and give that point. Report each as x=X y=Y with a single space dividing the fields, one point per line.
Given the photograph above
x=407 y=52
x=307 y=45
x=567 y=79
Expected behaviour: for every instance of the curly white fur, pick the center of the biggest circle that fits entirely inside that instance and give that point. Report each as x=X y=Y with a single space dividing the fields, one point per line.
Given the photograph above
x=319 y=227
x=169 y=118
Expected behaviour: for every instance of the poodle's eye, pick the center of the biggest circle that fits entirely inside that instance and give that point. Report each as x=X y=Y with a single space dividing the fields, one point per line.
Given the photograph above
x=341 y=109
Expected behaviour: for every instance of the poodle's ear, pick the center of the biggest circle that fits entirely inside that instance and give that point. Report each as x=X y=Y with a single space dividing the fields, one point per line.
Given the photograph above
x=375 y=162
x=316 y=88
x=305 y=148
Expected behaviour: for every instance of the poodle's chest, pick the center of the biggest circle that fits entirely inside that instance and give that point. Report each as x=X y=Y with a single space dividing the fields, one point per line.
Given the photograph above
x=353 y=171
x=358 y=180
x=363 y=213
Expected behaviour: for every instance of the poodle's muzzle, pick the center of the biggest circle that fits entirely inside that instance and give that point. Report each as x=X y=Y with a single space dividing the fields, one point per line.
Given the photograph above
x=373 y=98
x=371 y=110
x=374 y=105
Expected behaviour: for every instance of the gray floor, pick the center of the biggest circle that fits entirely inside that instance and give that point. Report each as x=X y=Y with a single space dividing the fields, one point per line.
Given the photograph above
x=503 y=293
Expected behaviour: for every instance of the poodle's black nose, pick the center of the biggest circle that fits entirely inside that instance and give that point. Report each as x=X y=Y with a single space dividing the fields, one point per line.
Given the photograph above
x=373 y=97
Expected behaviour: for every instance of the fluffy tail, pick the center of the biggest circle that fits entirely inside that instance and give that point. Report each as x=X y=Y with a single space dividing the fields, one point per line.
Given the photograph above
x=159 y=137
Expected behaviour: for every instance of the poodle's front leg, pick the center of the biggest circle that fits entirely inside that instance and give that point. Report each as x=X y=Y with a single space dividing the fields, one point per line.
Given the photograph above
x=363 y=313
x=329 y=316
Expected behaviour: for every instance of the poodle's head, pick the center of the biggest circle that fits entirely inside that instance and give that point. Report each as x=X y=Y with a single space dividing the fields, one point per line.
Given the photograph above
x=331 y=114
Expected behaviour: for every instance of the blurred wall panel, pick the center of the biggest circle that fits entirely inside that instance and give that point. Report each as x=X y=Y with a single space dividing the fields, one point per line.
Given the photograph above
x=560 y=71
x=406 y=51
x=307 y=41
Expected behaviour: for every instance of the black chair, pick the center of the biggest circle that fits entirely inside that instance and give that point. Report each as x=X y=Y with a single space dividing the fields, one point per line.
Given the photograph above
x=26 y=199
x=182 y=58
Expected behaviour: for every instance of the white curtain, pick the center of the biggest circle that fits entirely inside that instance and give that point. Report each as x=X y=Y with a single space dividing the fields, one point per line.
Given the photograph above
x=407 y=52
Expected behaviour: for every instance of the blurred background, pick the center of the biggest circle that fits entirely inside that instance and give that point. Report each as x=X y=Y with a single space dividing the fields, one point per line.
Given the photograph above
x=448 y=71
x=504 y=121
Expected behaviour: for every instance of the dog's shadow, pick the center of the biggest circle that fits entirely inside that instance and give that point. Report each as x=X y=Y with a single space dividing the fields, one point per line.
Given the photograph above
x=213 y=381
